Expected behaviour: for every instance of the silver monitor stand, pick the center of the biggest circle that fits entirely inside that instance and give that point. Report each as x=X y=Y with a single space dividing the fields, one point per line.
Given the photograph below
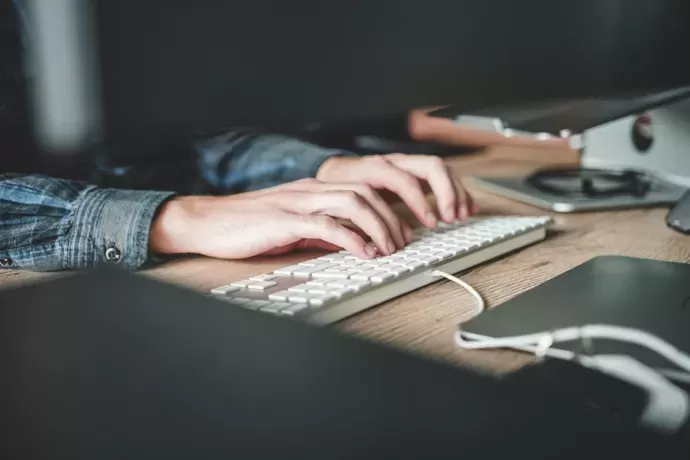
x=656 y=142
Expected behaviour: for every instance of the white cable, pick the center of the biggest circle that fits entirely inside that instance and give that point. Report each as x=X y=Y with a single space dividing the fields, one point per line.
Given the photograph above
x=593 y=331
x=668 y=406
x=541 y=344
x=677 y=376
x=481 y=305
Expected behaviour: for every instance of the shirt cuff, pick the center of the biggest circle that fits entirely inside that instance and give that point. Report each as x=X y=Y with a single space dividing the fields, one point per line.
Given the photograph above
x=111 y=227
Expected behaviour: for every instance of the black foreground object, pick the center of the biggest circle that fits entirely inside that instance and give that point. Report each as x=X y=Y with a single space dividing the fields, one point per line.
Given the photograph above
x=106 y=365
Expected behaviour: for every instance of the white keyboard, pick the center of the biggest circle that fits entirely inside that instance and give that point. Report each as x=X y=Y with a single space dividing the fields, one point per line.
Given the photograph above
x=329 y=288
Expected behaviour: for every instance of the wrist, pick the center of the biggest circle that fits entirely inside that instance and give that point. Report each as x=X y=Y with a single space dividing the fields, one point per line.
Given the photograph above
x=171 y=230
x=326 y=169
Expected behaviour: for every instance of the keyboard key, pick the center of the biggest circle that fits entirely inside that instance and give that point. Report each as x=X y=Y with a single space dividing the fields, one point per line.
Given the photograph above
x=427 y=260
x=238 y=300
x=338 y=293
x=395 y=269
x=352 y=264
x=455 y=250
x=414 y=264
x=268 y=277
x=256 y=304
x=390 y=259
x=293 y=309
x=358 y=285
x=443 y=255
x=366 y=275
x=287 y=270
x=338 y=283
x=331 y=274
x=333 y=257
x=381 y=277
x=312 y=263
x=317 y=282
x=281 y=304
x=261 y=285
x=299 y=288
x=361 y=269
x=311 y=299
x=281 y=296
x=273 y=307
x=317 y=302
x=224 y=290
x=241 y=283
x=307 y=271
x=301 y=297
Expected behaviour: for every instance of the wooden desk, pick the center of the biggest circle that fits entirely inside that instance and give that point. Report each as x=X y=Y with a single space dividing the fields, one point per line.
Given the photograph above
x=424 y=321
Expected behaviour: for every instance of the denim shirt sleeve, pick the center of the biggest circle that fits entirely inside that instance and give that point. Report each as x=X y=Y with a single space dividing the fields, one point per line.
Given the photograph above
x=49 y=224
x=242 y=160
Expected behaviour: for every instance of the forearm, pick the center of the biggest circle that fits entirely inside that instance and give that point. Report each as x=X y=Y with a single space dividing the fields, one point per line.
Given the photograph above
x=50 y=224
x=244 y=161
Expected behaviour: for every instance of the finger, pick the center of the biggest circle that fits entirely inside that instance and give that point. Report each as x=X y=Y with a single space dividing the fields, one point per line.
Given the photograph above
x=373 y=198
x=461 y=190
x=304 y=244
x=465 y=204
x=329 y=230
x=318 y=244
x=345 y=204
x=471 y=203
x=392 y=221
x=350 y=205
x=383 y=174
x=451 y=204
x=408 y=233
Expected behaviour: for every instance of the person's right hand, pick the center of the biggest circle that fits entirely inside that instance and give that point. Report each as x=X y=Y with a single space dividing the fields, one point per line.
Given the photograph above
x=303 y=214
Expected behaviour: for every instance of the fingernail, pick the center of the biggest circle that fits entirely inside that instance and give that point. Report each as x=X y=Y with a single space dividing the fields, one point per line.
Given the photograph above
x=407 y=234
x=371 y=251
x=431 y=220
x=450 y=214
x=463 y=212
x=391 y=248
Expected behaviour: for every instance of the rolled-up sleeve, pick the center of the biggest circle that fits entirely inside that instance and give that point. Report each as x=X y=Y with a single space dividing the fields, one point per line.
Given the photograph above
x=242 y=160
x=49 y=224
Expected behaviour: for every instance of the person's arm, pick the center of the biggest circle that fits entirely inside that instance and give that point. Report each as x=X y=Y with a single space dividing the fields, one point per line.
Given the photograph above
x=241 y=161
x=48 y=224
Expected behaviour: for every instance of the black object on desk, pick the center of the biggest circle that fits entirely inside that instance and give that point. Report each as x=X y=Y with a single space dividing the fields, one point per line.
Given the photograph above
x=108 y=365
x=678 y=217
x=647 y=295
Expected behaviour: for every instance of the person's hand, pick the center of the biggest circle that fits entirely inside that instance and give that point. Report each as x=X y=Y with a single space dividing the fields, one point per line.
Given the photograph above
x=303 y=214
x=408 y=177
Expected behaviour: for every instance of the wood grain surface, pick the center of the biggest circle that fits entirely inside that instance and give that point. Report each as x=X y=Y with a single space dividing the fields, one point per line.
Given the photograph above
x=424 y=321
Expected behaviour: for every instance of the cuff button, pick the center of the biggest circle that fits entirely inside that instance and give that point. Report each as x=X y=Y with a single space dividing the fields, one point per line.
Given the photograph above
x=113 y=254
x=5 y=262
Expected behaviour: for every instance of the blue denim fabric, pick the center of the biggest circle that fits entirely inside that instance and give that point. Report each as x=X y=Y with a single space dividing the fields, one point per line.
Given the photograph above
x=49 y=224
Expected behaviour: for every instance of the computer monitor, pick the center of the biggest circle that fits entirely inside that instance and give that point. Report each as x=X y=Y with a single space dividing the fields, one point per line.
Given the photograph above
x=140 y=74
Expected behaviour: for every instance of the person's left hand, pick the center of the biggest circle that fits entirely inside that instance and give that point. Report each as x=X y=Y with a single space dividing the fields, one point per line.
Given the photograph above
x=408 y=177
